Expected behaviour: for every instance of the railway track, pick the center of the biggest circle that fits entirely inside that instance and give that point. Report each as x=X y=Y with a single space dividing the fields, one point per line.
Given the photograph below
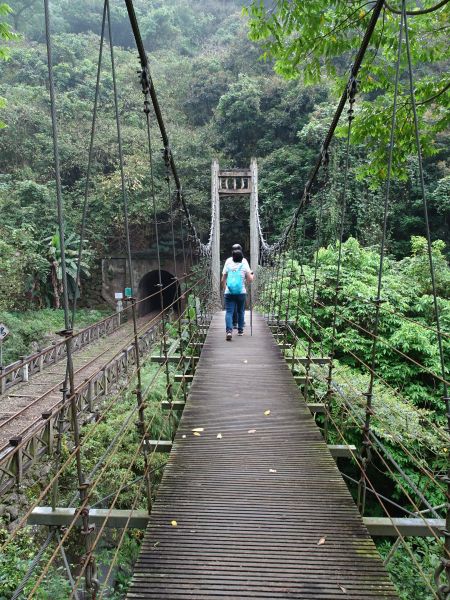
x=29 y=407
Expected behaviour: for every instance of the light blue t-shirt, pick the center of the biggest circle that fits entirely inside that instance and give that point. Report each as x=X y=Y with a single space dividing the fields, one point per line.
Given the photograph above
x=230 y=265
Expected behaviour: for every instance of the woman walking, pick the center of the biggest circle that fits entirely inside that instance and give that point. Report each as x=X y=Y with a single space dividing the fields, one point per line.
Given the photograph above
x=236 y=272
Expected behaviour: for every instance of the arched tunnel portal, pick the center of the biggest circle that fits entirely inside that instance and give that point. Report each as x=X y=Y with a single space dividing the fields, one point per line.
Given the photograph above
x=148 y=291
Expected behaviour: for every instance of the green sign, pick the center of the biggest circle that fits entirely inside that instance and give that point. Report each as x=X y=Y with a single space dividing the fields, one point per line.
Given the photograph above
x=128 y=292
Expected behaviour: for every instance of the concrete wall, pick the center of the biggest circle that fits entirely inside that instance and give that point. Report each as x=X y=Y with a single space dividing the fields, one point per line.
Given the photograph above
x=115 y=273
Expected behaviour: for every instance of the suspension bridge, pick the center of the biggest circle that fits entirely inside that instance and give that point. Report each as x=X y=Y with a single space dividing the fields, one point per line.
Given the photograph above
x=261 y=493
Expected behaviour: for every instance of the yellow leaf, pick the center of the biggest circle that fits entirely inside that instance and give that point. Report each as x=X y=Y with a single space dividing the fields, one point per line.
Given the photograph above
x=198 y=429
x=362 y=14
x=444 y=449
x=321 y=541
x=251 y=431
x=197 y=433
x=219 y=436
x=267 y=413
x=173 y=523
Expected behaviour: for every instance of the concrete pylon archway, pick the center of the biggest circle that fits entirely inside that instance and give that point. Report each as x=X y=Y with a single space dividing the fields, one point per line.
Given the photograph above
x=230 y=183
x=148 y=292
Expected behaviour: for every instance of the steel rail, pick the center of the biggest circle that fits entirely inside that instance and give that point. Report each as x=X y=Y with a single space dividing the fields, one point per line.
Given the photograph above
x=32 y=357
x=84 y=503
x=68 y=460
x=4 y=454
x=32 y=404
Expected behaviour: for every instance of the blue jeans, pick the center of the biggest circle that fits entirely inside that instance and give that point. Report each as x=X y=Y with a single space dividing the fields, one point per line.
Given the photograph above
x=233 y=301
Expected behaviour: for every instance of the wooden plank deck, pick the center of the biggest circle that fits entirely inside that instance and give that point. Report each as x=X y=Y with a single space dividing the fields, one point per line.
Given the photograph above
x=261 y=512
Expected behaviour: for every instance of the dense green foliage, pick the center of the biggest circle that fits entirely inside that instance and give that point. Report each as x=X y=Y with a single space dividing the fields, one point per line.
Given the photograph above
x=220 y=100
x=123 y=465
x=407 y=396
x=319 y=39
x=32 y=331
x=408 y=416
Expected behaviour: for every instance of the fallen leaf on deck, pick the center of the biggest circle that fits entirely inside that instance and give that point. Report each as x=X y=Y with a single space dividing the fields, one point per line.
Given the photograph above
x=199 y=429
x=267 y=413
x=197 y=433
x=183 y=436
x=245 y=361
x=272 y=470
x=342 y=588
x=219 y=436
x=173 y=523
x=321 y=541
x=251 y=431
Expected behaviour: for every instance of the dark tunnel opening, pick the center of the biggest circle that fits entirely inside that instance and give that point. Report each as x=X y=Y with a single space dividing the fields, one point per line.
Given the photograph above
x=149 y=289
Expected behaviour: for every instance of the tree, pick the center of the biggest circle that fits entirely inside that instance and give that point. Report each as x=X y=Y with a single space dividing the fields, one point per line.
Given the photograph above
x=318 y=39
x=71 y=247
x=6 y=33
x=239 y=118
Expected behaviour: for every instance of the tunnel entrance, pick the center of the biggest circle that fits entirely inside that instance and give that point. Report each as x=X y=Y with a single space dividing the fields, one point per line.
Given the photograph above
x=148 y=286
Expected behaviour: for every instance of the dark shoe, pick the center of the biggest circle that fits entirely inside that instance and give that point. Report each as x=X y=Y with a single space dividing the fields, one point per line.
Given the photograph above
x=229 y=336
x=240 y=333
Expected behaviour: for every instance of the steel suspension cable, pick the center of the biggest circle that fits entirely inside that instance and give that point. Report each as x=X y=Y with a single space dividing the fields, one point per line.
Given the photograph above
x=83 y=508
x=204 y=249
x=366 y=444
x=138 y=391
x=61 y=226
x=414 y=13
x=268 y=249
x=146 y=85
x=90 y=160
x=314 y=288
x=444 y=567
x=351 y=94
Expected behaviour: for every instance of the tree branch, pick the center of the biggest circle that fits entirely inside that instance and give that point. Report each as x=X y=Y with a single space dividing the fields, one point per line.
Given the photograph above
x=413 y=13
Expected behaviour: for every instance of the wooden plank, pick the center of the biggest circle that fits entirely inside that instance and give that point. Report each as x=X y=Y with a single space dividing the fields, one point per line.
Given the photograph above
x=342 y=451
x=44 y=515
x=410 y=526
x=303 y=360
x=316 y=408
x=160 y=445
x=177 y=405
x=183 y=378
x=301 y=379
x=173 y=359
x=253 y=490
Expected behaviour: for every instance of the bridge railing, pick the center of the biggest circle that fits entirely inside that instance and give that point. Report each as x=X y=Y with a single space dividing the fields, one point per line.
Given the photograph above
x=41 y=435
x=20 y=371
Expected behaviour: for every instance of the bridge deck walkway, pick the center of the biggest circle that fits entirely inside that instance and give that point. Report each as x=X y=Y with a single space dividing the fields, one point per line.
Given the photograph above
x=253 y=506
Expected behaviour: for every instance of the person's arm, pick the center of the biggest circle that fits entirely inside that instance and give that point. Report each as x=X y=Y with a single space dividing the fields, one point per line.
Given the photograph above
x=224 y=281
x=249 y=277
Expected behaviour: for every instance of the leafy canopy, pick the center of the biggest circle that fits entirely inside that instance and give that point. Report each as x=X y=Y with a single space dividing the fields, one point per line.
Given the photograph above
x=318 y=40
x=6 y=33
